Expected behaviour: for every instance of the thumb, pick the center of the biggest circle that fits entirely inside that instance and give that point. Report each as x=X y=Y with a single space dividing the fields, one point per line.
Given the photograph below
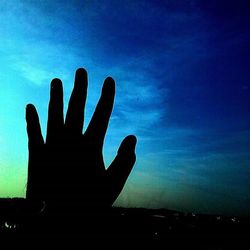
x=120 y=168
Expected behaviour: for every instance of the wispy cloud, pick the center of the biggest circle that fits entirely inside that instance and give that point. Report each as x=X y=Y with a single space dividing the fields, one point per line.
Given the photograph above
x=33 y=74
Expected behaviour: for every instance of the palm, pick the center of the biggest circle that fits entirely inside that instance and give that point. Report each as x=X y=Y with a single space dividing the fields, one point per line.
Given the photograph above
x=69 y=165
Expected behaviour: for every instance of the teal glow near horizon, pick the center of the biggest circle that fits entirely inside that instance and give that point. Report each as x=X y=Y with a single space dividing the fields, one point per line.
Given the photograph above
x=182 y=86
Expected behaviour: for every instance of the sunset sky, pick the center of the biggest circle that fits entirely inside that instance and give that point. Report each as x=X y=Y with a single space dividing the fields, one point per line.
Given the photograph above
x=182 y=73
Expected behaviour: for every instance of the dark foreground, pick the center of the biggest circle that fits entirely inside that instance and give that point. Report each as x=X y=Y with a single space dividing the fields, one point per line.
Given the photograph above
x=119 y=228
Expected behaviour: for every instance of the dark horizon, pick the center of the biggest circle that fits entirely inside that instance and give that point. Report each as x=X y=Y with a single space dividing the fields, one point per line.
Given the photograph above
x=15 y=203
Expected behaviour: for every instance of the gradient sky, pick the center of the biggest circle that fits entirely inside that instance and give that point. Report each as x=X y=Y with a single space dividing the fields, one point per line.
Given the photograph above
x=182 y=72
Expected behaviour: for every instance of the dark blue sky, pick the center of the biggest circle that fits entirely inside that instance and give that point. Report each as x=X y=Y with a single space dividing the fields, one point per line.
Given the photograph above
x=182 y=71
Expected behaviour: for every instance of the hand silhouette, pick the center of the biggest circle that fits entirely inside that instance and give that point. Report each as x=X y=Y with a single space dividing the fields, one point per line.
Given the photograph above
x=67 y=170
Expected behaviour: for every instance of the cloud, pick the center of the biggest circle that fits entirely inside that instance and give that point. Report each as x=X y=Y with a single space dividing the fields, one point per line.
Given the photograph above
x=34 y=74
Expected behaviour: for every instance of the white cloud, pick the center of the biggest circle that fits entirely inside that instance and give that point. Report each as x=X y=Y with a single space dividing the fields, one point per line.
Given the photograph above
x=33 y=74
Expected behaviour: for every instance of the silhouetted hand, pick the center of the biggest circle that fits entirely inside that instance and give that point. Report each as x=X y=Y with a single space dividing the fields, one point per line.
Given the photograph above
x=67 y=170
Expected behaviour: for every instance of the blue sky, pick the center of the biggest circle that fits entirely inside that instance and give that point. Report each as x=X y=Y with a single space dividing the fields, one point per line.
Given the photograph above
x=182 y=76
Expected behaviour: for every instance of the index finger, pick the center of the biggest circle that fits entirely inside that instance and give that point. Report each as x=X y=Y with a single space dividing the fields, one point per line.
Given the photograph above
x=99 y=123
